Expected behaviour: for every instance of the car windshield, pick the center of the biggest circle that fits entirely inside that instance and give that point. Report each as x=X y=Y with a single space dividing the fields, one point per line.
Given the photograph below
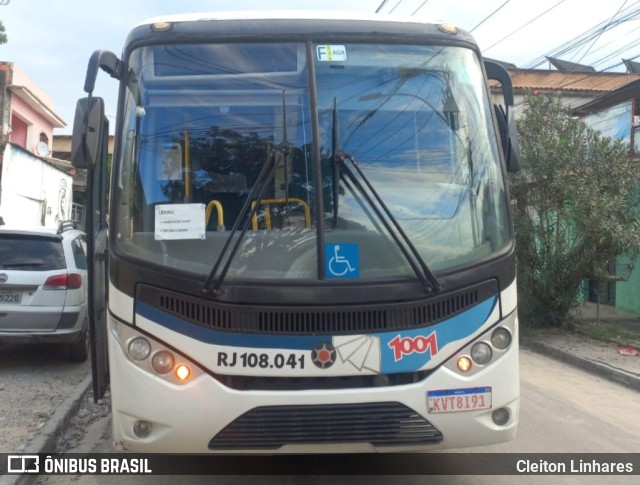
x=26 y=253
x=204 y=120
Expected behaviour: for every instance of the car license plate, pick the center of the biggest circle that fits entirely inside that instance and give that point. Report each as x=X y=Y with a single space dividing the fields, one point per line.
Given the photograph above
x=459 y=400
x=14 y=297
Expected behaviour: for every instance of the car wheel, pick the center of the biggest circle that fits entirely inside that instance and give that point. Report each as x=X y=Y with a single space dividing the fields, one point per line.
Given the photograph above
x=79 y=351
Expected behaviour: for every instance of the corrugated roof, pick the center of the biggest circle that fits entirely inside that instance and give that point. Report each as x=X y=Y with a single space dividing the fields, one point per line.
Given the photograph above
x=595 y=82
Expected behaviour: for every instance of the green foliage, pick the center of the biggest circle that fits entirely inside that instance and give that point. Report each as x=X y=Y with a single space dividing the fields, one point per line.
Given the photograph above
x=614 y=332
x=3 y=34
x=576 y=208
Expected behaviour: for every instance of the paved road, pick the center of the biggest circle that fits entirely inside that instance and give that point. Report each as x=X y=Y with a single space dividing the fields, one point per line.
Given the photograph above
x=564 y=410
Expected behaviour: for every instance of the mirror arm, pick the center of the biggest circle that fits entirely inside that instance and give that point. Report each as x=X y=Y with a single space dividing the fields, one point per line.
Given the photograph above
x=498 y=73
x=108 y=62
x=505 y=117
x=105 y=60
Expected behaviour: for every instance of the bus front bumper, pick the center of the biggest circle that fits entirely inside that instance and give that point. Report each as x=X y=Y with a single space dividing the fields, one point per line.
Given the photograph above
x=204 y=416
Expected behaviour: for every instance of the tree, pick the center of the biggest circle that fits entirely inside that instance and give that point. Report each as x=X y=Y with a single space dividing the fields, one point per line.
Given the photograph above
x=576 y=209
x=3 y=34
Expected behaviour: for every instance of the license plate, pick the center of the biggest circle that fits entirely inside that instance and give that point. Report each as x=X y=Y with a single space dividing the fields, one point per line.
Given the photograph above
x=14 y=297
x=459 y=400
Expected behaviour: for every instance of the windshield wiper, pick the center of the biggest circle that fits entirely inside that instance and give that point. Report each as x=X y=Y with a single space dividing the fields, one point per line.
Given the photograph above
x=212 y=284
x=388 y=220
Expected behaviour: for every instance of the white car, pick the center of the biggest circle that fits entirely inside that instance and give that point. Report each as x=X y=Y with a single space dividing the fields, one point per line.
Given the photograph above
x=43 y=287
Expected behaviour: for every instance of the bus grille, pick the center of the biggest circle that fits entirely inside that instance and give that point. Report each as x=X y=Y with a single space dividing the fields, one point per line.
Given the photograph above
x=381 y=424
x=315 y=320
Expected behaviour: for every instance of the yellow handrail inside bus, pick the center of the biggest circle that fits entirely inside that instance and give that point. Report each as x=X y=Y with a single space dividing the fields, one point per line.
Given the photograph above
x=219 y=210
x=282 y=200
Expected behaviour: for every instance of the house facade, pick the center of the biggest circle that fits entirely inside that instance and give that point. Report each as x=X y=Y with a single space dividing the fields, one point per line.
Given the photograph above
x=35 y=189
x=617 y=115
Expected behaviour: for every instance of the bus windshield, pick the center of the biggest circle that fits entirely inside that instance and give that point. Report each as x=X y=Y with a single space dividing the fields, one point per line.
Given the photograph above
x=201 y=121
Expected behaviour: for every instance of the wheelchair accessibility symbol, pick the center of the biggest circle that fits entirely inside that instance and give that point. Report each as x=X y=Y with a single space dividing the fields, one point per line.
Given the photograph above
x=341 y=260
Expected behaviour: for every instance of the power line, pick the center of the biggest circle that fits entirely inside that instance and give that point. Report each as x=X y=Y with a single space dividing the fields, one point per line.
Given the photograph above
x=599 y=34
x=524 y=25
x=399 y=2
x=590 y=36
x=421 y=5
x=628 y=14
x=613 y=41
x=596 y=35
x=617 y=52
x=384 y=2
x=490 y=15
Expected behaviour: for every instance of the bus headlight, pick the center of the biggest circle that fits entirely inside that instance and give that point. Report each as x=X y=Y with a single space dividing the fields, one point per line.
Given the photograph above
x=485 y=349
x=152 y=356
x=162 y=362
x=481 y=353
x=139 y=348
x=501 y=338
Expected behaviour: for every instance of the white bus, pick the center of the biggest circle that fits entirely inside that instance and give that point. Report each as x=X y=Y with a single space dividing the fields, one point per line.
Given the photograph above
x=309 y=245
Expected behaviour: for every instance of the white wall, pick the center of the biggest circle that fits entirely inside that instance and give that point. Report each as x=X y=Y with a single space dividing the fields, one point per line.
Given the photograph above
x=33 y=190
x=569 y=100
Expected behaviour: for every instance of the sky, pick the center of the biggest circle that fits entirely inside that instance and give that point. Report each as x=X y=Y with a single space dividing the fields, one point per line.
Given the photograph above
x=52 y=41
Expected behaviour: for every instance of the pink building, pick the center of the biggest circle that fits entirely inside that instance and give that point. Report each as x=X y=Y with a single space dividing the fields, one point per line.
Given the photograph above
x=34 y=188
x=27 y=116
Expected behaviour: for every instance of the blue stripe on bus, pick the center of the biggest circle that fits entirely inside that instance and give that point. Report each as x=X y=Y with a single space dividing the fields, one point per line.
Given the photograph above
x=455 y=328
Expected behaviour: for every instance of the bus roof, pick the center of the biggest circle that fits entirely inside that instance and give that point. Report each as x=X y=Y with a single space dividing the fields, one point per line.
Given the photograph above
x=285 y=15
x=323 y=26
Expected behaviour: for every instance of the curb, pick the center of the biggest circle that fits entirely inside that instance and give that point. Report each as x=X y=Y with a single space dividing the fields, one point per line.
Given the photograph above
x=614 y=374
x=46 y=440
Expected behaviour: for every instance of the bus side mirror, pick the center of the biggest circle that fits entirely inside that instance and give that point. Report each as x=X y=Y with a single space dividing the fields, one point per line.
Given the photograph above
x=504 y=115
x=88 y=127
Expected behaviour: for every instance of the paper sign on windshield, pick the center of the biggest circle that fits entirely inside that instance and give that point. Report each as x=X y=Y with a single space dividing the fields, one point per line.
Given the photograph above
x=180 y=221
